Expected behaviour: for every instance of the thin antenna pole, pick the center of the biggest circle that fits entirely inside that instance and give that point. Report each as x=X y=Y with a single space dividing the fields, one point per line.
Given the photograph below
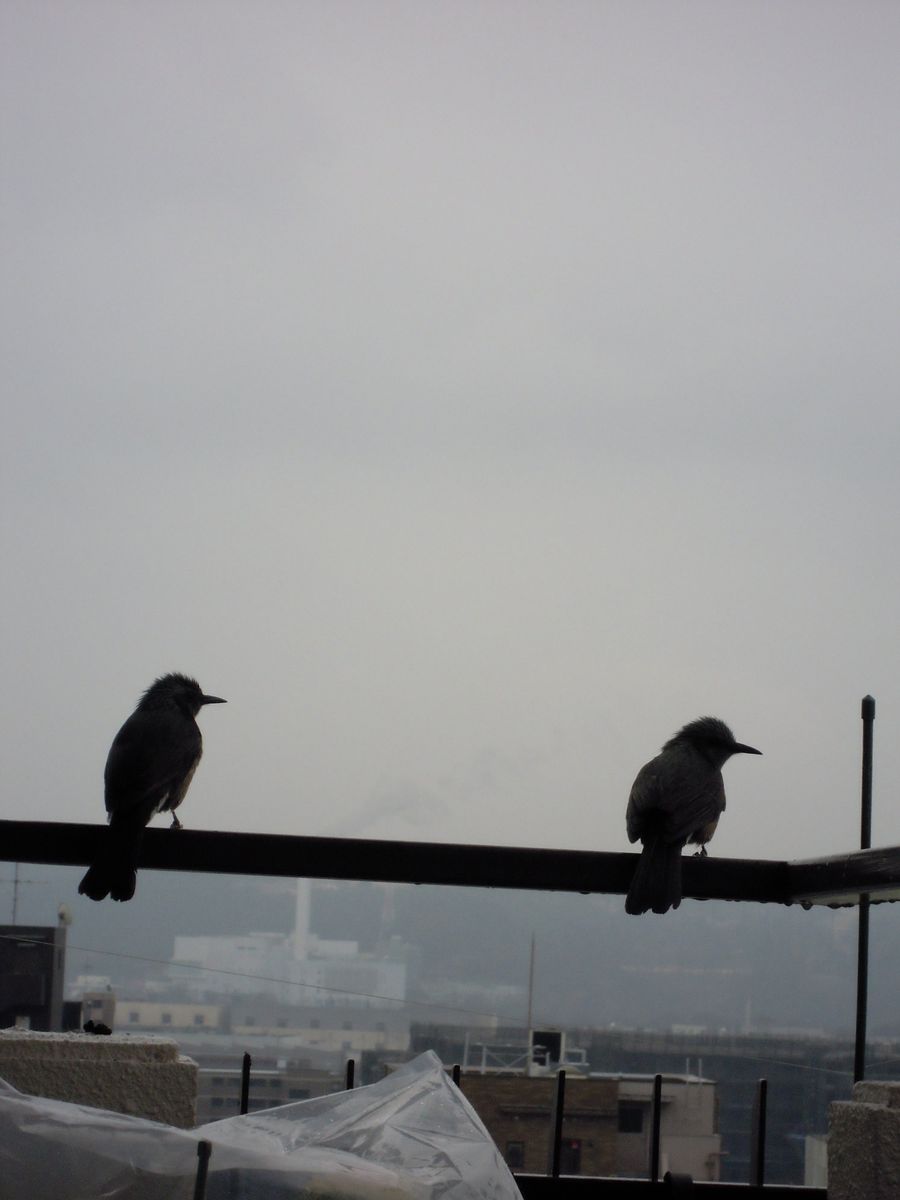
x=530 y=1019
x=865 y=842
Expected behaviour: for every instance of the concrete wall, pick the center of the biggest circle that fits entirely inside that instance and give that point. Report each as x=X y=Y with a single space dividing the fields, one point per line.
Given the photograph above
x=864 y=1144
x=138 y=1076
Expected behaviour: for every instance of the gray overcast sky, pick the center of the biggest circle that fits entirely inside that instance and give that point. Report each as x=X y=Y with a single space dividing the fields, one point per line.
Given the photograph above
x=471 y=393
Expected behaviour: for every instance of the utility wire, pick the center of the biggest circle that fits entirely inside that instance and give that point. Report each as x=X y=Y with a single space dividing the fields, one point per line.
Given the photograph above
x=317 y=987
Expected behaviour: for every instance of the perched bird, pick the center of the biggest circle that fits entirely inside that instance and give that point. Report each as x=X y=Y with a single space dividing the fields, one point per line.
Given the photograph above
x=677 y=797
x=149 y=768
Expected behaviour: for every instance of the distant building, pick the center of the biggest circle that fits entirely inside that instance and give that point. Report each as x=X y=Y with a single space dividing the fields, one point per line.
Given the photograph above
x=291 y=968
x=516 y=1109
x=99 y=1007
x=344 y=1028
x=273 y=1081
x=32 y=969
x=166 y=1016
x=607 y=1116
x=689 y=1140
x=804 y=1075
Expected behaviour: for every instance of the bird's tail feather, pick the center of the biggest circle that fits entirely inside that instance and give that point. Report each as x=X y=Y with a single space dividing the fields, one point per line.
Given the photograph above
x=114 y=870
x=656 y=883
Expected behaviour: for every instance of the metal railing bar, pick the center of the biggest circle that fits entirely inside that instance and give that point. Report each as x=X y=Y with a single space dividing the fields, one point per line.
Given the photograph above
x=246 y=1062
x=591 y=1187
x=836 y=879
x=532 y=869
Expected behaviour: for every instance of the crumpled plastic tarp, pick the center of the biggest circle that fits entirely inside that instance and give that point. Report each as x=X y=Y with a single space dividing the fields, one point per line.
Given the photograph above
x=412 y=1136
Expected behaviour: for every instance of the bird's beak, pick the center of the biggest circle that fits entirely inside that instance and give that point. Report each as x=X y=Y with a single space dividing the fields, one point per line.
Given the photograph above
x=740 y=748
x=219 y=700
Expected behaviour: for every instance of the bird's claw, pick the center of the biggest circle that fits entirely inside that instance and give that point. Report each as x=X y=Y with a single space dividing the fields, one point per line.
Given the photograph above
x=701 y=853
x=176 y=824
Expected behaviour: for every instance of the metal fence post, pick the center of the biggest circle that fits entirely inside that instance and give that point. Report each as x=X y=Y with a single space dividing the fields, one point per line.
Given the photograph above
x=758 y=1136
x=865 y=842
x=204 y=1150
x=656 y=1117
x=245 y=1083
x=556 y=1122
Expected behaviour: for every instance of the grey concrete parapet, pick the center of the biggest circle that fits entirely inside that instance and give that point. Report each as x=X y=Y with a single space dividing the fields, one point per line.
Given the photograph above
x=864 y=1144
x=139 y=1076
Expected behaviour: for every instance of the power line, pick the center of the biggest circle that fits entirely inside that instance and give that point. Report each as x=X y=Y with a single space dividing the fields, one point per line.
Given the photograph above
x=162 y=962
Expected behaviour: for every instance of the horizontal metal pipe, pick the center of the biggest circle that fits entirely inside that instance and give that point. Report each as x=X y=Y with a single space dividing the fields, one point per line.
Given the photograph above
x=264 y=854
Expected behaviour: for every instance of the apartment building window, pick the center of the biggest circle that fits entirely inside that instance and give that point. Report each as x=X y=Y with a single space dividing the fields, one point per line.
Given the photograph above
x=631 y=1117
x=515 y=1155
x=134 y=1017
x=167 y=1018
x=198 y=1018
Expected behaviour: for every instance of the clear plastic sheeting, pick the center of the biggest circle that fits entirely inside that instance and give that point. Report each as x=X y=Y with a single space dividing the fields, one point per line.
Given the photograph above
x=413 y=1136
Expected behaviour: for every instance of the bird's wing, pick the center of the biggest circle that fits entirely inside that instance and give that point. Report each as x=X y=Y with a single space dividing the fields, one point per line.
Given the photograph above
x=644 y=801
x=151 y=757
x=673 y=797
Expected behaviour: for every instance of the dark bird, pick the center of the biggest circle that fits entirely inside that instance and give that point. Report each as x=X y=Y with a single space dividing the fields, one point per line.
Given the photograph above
x=96 y=1027
x=149 y=769
x=676 y=798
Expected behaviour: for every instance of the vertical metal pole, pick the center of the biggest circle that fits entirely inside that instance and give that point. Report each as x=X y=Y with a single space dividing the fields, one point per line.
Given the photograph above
x=351 y=1073
x=529 y=1020
x=245 y=1083
x=455 y=1074
x=556 y=1123
x=865 y=842
x=655 y=1119
x=758 y=1136
x=204 y=1150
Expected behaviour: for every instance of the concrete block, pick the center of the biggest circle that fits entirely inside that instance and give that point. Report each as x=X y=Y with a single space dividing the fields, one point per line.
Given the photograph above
x=864 y=1144
x=139 y=1076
